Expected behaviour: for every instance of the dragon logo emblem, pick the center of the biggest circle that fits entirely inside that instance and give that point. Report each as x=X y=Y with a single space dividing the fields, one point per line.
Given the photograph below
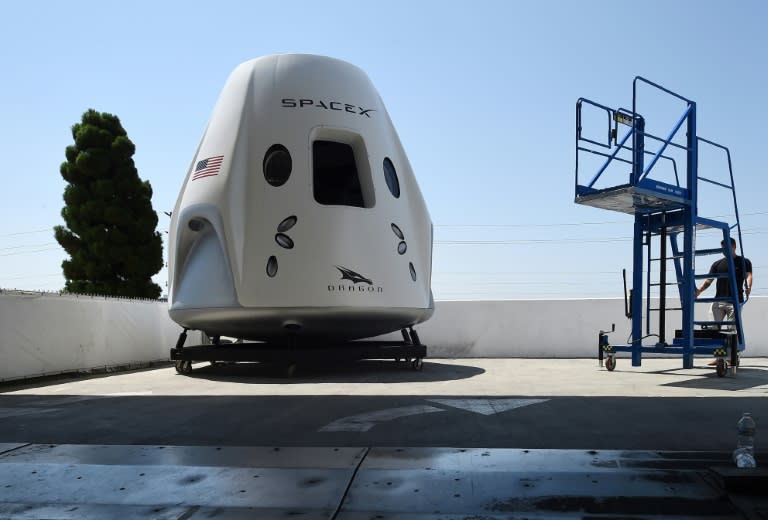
x=349 y=274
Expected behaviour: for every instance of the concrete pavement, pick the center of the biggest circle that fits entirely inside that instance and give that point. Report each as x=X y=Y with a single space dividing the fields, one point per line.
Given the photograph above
x=566 y=413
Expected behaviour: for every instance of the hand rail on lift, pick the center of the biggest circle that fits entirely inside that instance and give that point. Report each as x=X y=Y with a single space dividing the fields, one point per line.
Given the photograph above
x=619 y=144
x=732 y=187
x=636 y=132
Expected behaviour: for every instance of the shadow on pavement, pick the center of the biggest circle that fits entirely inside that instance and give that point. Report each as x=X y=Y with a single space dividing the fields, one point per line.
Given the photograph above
x=367 y=371
x=644 y=423
x=745 y=378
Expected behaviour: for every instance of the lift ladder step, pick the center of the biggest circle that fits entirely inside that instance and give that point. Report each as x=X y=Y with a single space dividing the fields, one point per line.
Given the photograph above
x=724 y=299
x=702 y=252
x=710 y=275
x=726 y=322
x=670 y=257
x=710 y=222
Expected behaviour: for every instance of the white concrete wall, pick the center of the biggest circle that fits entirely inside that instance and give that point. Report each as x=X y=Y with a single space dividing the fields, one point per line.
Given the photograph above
x=42 y=334
x=556 y=328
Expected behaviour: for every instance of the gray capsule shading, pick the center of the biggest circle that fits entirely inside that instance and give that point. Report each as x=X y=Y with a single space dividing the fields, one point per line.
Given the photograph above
x=397 y=232
x=402 y=247
x=272 y=267
x=413 y=271
x=287 y=224
x=284 y=241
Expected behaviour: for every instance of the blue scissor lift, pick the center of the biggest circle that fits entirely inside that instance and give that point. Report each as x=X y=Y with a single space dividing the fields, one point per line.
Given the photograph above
x=666 y=211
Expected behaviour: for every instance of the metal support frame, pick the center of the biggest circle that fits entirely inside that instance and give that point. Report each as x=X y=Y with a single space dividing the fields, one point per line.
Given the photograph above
x=689 y=241
x=292 y=351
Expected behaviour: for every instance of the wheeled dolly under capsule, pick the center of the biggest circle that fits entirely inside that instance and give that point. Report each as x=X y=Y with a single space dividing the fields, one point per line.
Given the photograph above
x=294 y=351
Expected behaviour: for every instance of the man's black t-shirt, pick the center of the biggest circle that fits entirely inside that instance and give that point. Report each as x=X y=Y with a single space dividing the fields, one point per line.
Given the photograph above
x=723 y=284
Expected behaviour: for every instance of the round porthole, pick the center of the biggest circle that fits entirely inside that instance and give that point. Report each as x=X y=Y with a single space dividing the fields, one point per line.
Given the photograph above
x=396 y=230
x=272 y=266
x=277 y=165
x=196 y=224
x=390 y=176
x=284 y=241
x=287 y=224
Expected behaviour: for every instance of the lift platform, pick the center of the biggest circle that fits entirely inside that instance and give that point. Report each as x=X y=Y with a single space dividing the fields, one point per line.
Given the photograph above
x=665 y=210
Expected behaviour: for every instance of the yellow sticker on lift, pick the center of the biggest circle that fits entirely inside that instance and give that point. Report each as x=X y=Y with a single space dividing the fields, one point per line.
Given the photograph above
x=624 y=119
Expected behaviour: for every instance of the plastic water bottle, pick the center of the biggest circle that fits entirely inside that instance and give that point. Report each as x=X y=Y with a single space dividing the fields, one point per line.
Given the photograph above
x=744 y=454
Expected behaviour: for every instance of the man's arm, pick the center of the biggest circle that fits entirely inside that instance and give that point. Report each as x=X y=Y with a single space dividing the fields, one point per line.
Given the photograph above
x=708 y=282
x=748 y=287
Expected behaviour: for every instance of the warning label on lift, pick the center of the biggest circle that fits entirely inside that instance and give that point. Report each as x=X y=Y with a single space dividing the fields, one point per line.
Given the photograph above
x=669 y=189
x=624 y=119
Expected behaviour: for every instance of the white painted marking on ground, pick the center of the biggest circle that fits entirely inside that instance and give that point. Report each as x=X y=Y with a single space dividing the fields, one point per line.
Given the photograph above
x=365 y=421
x=487 y=406
x=13 y=412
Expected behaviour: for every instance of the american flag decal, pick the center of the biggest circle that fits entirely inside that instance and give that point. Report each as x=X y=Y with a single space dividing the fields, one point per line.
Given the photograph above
x=207 y=167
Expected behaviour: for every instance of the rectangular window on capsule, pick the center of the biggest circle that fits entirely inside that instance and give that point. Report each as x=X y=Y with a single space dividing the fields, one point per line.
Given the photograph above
x=337 y=176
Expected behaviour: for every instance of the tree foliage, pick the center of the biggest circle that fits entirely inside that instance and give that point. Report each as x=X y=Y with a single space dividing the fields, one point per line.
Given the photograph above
x=110 y=226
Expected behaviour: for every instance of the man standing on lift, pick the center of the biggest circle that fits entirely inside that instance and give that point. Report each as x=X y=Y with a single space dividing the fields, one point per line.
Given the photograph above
x=723 y=310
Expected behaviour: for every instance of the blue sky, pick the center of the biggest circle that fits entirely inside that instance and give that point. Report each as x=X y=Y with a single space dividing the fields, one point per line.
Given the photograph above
x=482 y=94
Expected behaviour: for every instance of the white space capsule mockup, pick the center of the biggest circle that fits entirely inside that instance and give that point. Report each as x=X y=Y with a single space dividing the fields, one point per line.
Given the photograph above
x=300 y=213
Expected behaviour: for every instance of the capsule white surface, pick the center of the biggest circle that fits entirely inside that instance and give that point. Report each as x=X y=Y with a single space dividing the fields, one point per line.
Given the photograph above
x=300 y=213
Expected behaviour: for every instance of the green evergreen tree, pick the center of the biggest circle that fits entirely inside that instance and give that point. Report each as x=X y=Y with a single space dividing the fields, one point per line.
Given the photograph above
x=110 y=231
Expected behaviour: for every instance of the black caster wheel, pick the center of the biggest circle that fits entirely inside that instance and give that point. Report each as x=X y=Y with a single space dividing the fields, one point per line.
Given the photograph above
x=184 y=367
x=610 y=363
x=417 y=364
x=721 y=367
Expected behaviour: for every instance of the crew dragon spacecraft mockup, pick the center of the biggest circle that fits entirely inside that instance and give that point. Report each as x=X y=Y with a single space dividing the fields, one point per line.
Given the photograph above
x=300 y=213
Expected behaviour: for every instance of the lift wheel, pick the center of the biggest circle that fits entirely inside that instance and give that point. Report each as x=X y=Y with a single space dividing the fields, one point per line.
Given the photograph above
x=721 y=367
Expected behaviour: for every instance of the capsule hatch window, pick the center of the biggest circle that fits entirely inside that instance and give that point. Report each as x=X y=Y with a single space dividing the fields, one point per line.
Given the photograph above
x=340 y=175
